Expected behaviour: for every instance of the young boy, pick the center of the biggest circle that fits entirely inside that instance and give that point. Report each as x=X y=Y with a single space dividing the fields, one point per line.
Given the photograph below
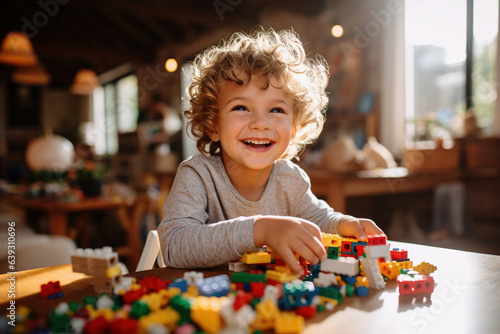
x=256 y=101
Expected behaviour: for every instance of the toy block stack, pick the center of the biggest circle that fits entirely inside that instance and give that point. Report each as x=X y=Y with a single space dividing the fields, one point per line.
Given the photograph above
x=102 y=264
x=266 y=296
x=377 y=249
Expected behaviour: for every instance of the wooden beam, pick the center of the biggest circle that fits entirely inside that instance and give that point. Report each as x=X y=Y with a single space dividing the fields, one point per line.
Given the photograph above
x=89 y=52
x=126 y=26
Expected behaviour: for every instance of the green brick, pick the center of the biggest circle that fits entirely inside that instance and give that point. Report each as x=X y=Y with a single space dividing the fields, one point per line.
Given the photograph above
x=332 y=252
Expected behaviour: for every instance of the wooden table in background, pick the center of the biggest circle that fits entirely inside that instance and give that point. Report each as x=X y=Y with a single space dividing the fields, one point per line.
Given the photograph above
x=335 y=188
x=128 y=212
x=465 y=299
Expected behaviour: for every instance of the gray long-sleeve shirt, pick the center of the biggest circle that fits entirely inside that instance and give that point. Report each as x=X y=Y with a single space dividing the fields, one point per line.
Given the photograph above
x=208 y=223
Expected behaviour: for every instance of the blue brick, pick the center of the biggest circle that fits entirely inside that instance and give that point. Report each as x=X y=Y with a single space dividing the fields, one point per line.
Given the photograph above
x=216 y=286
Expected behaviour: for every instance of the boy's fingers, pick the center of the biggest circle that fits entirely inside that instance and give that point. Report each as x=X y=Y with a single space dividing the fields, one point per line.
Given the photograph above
x=355 y=229
x=370 y=227
x=311 y=251
x=312 y=228
x=288 y=256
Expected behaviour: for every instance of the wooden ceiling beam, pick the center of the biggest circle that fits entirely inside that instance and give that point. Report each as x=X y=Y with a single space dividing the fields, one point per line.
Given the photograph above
x=157 y=28
x=101 y=25
x=127 y=27
x=89 y=52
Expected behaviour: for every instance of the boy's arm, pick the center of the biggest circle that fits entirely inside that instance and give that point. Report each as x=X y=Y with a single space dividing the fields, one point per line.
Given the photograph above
x=187 y=240
x=330 y=221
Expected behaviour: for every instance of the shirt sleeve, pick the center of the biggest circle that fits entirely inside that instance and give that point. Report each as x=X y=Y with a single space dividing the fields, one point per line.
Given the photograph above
x=316 y=210
x=188 y=239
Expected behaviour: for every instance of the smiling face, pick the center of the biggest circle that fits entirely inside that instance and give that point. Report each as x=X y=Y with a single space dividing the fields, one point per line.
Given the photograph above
x=255 y=125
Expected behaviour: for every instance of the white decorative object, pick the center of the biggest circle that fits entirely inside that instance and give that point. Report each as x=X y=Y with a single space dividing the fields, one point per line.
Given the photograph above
x=51 y=153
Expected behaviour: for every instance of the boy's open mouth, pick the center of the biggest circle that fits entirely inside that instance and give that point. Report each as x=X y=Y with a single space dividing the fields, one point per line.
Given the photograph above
x=257 y=143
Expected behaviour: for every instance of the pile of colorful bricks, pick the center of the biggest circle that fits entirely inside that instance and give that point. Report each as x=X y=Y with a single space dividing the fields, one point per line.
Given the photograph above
x=261 y=293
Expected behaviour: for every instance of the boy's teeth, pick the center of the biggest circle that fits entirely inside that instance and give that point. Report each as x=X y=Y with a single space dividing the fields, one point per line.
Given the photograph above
x=257 y=142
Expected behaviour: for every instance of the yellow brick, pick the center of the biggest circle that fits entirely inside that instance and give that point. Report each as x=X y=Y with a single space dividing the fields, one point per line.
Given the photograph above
x=113 y=271
x=288 y=322
x=331 y=240
x=362 y=281
x=280 y=277
x=205 y=312
x=256 y=257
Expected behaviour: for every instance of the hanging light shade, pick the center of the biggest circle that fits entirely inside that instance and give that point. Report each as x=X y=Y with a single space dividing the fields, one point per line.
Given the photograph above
x=85 y=82
x=32 y=75
x=17 y=50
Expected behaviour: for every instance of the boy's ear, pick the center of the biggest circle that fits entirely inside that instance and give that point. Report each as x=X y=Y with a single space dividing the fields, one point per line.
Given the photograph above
x=214 y=135
x=294 y=132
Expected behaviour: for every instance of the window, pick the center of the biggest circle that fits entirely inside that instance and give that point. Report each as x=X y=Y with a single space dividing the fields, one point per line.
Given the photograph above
x=484 y=63
x=115 y=111
x=436 y=65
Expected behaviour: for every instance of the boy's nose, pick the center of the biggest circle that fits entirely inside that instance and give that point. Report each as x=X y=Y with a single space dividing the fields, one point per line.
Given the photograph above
x=260 y=121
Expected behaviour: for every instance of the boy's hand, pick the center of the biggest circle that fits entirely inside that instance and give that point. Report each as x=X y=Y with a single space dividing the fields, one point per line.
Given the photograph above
x=358 y=228
x=290 y=235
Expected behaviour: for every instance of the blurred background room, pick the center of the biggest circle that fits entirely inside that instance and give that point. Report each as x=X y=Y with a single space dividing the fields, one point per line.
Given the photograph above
x=92 y=95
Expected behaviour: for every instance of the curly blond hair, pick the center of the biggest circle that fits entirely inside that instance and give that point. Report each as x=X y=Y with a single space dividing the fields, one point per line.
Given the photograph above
x=268 y=54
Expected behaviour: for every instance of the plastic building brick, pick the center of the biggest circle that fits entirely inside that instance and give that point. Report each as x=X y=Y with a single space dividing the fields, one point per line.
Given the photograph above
x=257 y=289
x=120 y=325
x=271 y=292
x=51 y=290
x=193 y=277
x=94 y=262
x=205 y=311
x=245 y=277
x=153 y=283
x=216 y=286
x=155 y=300
x=377 y=252
x=139 y=309
x=362 y=281
x=418 y=284
x=256 y=258
x=399 y=254
x=405 y=264
x=133 y=295
x=267 y=312
x=104 y=301
x=332 y=252
x=288 y=322
x=180 y=283
x=182 y=306
x=298 y=294
x=98 y=325
x=307 y=312
x=166 y=317
x=391 y=270
x=377 y=239
x=182 y=329
x=362 y=291
x=331 y=240
x=238 y=266
x=346 y=246
x=342 y=265
x=372 y=271
x=325 y=279
x=237 y=319
x=425 y=268
x=280 y=277
x=332 y=293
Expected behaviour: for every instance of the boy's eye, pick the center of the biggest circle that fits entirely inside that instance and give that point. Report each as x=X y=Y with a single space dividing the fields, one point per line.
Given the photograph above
x=241 y=108
x=277 y=110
